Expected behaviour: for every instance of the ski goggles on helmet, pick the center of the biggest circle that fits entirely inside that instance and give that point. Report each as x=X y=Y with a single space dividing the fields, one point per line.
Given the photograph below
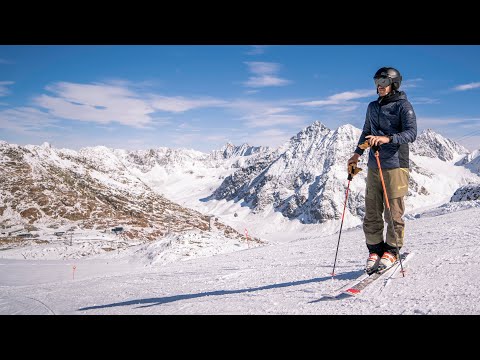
x=383 y=81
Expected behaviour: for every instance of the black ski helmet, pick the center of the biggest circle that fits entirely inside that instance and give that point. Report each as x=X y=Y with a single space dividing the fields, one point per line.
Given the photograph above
x=391 y=73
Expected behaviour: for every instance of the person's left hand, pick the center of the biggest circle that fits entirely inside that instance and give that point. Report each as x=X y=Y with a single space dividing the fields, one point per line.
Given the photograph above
x=377 y=140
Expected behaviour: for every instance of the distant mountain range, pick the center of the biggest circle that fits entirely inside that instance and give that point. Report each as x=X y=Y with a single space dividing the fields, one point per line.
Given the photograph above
x=305 y=178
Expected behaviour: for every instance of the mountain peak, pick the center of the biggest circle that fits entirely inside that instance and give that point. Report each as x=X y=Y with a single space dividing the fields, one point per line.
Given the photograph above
x=316 y=127
x=347 y=129
x=230 y=150
x=4 y=144
x=318 y=124
x=432 y=144
x=229 y=145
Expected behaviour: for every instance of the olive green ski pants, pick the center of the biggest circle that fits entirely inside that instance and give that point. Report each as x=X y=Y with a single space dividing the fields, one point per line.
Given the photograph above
x=396 y=183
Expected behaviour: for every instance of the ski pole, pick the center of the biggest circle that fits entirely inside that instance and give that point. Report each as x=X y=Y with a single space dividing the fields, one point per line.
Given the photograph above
x=377 y=156
x=343 y=215
x=352 y=170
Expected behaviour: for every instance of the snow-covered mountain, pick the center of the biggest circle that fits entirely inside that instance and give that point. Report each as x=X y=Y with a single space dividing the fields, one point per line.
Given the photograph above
x=46 y=190
x=305 y=179
x=471 y=161
x=298 y=178
x=166 y=158
x=229 y=150
x=433 y=145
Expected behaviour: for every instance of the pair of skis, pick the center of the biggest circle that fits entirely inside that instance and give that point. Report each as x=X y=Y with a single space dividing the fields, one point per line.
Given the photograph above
x=359 y=284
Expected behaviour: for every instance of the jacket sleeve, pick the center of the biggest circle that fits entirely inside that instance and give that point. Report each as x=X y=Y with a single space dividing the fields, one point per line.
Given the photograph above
x=366 y=131
x=409 y=125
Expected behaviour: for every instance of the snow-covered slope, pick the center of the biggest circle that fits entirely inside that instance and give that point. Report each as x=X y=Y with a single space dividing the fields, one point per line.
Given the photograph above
x=441 y=278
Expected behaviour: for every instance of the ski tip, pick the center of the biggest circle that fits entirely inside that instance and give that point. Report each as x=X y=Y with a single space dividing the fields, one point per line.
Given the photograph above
x=352 y=291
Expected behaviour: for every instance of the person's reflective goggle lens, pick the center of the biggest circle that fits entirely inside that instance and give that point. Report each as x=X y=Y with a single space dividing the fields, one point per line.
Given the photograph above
x=382 y=81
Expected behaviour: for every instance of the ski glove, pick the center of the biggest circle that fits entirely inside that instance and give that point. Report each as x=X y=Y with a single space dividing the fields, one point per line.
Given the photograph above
x=353 y=170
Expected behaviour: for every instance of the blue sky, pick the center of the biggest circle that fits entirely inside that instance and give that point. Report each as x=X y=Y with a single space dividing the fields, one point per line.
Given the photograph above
x=200 y=97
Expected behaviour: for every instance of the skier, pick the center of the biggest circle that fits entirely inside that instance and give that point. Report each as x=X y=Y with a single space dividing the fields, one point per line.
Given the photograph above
x=390 y=124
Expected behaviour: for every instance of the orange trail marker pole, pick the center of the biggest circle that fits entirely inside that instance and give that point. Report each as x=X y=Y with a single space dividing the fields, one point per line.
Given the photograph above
x=246 y=235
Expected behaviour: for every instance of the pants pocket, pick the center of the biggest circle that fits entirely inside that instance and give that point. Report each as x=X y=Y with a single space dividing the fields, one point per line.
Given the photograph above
x=397 y=182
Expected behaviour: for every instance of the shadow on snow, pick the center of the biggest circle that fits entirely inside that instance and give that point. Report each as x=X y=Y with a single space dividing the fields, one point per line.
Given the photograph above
x=168 y=299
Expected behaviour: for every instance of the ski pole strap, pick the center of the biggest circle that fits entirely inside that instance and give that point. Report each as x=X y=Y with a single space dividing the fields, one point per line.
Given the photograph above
x=366 y=145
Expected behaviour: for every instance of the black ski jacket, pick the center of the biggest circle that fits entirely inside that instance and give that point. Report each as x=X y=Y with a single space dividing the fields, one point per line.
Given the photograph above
x=391 y=115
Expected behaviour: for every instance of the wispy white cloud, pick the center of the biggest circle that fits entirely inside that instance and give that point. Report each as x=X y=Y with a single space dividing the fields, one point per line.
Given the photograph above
x=272 y=116
x=345 y=108
x=265 y=120
x=115 y=102
x=26 y=120
x=411 y=83
x=4 y=91
x=469 y=86
x=181 y=104
x=109 y=104
x=261 y=67
x=185 y=126
x=342 y=99
x=5 y=61
x=264 y=114
x=265 y=75
x=471 y=143
x=424 y=100
x=138 y=85
x=217 y=138
x=256 y=50
x=185 y=139
x=265 y=80
x=434 y=122
x=99 y=103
